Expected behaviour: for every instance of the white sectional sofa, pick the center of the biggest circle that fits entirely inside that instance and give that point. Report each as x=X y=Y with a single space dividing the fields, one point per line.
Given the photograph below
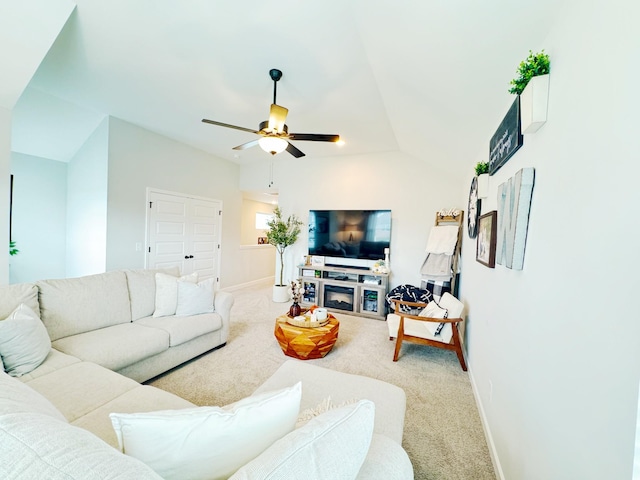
x=55 y=419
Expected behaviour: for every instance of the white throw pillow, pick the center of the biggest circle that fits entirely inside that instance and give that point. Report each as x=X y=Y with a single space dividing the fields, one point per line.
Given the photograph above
x=433 y=310
x=195 y=298
x=332 y=445
x=167 y=292
x=24 y=341
x=208 y=442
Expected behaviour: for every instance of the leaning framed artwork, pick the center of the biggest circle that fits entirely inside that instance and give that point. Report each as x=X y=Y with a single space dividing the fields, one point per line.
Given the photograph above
x=486 y=243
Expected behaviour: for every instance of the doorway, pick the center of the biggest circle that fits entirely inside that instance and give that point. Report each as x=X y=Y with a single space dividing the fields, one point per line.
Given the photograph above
x=184 y=231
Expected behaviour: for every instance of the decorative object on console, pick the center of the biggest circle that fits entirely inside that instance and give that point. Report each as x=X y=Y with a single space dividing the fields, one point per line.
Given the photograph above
x=380 y=267
x=296 y=292
x=486 y=244
x=514 y=203
x=281 y=234
x=274 y=134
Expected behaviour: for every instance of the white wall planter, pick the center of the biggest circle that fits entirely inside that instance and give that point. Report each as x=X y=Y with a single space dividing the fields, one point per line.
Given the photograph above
x=533 y=104
x=483 y=185
x=281 y=293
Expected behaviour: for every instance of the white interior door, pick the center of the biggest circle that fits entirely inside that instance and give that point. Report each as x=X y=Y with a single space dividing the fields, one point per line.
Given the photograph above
x=185 y=232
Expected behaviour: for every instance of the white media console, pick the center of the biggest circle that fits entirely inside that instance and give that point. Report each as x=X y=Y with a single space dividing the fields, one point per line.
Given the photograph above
x=358 y=291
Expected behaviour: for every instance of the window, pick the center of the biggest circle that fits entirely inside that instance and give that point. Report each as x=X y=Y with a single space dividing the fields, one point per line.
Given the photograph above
x=262 y=219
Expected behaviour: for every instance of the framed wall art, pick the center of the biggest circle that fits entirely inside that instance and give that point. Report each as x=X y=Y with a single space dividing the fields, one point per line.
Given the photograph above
x=486 y=243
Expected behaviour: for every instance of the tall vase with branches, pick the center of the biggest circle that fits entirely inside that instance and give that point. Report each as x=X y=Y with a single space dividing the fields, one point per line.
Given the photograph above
x=281 y=234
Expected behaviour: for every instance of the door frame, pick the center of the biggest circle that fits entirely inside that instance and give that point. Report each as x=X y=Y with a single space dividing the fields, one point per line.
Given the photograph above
x=152 y=190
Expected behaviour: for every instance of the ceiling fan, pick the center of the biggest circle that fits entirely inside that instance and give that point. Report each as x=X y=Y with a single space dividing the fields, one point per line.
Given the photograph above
x=274 y=133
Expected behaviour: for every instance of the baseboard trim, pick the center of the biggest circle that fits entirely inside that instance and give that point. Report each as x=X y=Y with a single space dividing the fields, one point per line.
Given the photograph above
x=485 y=427
x=260 y=282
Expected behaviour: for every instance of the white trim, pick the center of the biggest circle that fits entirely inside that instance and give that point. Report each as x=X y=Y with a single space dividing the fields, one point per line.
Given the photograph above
x=261 y=282
x=495 y=460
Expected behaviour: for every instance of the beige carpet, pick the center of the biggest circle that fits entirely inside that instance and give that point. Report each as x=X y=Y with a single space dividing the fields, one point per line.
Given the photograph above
x=443 y=434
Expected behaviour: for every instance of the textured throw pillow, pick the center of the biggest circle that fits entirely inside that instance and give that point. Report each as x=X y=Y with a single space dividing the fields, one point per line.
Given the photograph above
x=24 y=341
x=433 y=310
x=36 y=446
x=195 y=298
x=167 y=292
x=324 y=406
x=332 y=445
x=208 y=442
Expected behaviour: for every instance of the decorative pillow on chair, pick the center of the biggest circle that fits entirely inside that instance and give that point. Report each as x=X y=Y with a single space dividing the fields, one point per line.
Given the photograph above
x=195 y=298
x=167 y=292
x=433 y=310
x=208 y=442
x=332 y=445
x=24 y=341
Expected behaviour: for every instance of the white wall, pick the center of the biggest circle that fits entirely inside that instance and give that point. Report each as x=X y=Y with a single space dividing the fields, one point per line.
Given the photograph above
x=39 y=218
x=412 y=189
x=554 y=349
x=139 y=159
x=87 y=205
x=5 y=171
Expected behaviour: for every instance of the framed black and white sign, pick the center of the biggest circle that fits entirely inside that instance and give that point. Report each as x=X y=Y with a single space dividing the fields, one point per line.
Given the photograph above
x=507 y=139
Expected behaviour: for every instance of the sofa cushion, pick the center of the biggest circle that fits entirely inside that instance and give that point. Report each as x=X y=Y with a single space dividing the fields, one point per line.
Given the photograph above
x=208 y=442
x=331 y=445
x=24 y=342
x=167 y=292
x=82 y=387
x=76 y=305
x=195 y=298
x=183 y=329
x=16 y=397
x=13 y=295
x=117 y=346
x=55 y=360
x=143 y=398
x=38 y=446
x=142 y=290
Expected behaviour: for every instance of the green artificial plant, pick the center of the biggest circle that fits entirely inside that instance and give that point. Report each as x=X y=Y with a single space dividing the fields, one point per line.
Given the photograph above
x=12 y=249
x=482 y=167
x=534 y=65
x=281 y=234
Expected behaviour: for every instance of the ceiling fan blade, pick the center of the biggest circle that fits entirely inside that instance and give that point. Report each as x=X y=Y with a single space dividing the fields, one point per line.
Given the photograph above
x=314 y=137
x=294 y=151
x=277 y=117
x=220 y=124
x=250 y=144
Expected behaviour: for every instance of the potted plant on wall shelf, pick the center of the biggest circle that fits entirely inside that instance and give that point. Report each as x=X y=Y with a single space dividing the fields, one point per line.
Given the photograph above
x=281 y=234
x=532 y=84
x=482 y=172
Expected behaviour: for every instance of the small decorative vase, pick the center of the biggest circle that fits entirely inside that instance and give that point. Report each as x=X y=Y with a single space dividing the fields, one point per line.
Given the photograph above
x=294 y=310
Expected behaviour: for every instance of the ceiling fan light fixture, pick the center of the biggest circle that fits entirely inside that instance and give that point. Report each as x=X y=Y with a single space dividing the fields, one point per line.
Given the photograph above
x=273 y=145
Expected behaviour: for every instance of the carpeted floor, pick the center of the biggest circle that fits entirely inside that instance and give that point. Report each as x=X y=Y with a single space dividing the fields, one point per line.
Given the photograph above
x=443 y=434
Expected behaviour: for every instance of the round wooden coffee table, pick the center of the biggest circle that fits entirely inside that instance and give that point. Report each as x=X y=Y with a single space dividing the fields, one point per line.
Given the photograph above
x=306 y=343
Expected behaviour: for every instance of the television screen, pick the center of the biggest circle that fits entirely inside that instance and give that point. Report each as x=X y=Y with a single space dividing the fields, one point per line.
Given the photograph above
x=362 y=234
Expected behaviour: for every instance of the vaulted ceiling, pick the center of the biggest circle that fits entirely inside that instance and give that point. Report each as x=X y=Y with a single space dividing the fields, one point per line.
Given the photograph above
x=428 y=78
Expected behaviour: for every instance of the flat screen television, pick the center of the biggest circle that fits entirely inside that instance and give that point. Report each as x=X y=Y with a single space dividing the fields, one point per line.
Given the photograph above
x=360 y=234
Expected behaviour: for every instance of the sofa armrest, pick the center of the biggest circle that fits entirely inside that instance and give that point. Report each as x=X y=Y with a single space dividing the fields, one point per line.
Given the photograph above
x=223 y=302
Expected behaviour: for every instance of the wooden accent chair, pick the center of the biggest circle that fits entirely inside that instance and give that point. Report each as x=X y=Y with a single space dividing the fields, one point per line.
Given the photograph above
x=428 y=330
